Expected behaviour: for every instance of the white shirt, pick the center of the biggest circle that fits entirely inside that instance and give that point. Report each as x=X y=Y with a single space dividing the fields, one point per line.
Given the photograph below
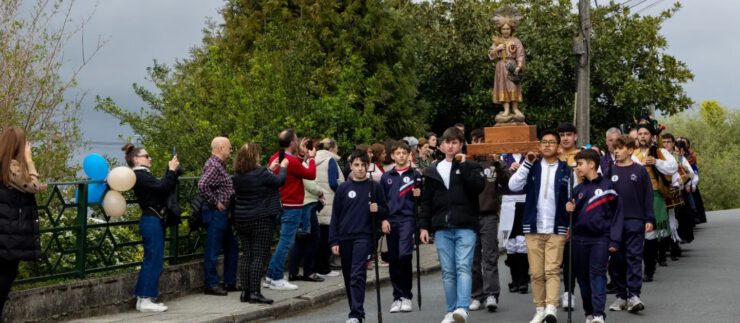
x=444 y=168
x=546 y=201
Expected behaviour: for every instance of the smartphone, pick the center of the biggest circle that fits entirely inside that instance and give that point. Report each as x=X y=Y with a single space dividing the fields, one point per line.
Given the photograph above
x=309 y=145
x=174 y=151
x=281 y=155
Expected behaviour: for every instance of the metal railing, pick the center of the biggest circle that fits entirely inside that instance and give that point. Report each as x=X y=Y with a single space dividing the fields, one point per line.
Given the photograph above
x=78 y=239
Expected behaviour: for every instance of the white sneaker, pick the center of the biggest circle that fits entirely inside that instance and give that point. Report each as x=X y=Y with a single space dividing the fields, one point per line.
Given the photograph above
x=551 y=313
x=564 y=301
x=146 y=305
x=539 y=316
x=138 y=303
x=281 y=284
x=266 y=282
x=634 y=304
x=598 y=319
x=333 y=273
x=474 y=305
x=590 y=319
x=396 y=306
x=448 y=318
x=460 y=316
x=352 y=320
x=406 y=305
x=618 y=305
x=491 y=303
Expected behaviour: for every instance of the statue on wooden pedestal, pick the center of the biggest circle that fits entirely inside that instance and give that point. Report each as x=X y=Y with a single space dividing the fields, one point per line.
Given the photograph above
x=508 y=53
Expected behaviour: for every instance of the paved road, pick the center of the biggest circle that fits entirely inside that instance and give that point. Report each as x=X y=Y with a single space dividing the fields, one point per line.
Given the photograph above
x=703 y=286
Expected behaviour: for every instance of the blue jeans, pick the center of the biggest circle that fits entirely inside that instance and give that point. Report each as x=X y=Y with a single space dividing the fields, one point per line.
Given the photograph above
x=455 y=248
x=289 y=222
x=152 y=233
x=219 y=235
x=304 y=253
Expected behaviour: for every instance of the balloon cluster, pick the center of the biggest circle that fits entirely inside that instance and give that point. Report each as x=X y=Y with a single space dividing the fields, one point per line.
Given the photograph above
x=120 y=179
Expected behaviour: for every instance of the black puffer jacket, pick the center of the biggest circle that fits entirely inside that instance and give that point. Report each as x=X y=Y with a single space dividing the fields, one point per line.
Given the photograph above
x=19 y=225
x=257 y=194
x=456 y=207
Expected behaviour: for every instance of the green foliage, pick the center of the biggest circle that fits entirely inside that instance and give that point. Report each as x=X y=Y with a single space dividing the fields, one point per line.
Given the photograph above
x=714 y=131
x=362 y=71
x=32 y=91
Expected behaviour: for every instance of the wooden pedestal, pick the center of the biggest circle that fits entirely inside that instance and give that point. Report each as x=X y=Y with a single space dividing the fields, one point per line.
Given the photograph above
x=506 y=138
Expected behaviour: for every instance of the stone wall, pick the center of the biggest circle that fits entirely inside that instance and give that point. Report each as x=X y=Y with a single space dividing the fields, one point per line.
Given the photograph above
x=97 y=296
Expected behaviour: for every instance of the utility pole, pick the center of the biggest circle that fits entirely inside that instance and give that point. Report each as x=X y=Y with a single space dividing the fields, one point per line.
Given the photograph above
x=582 y=49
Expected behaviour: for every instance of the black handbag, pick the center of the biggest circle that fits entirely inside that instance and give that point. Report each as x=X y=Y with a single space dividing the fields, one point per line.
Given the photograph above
x=195 y=220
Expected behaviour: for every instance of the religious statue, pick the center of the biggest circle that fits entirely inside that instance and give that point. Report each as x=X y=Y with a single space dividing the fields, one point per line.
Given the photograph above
x=508 y=53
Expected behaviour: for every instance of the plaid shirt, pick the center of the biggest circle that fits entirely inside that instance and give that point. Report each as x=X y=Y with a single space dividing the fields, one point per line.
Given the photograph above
x=215 y=185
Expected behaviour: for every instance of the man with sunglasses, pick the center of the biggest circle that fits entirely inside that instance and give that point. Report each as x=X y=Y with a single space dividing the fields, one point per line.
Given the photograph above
x=545 y=222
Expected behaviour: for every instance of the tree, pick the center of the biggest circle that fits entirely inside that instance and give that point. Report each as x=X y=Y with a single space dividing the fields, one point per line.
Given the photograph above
x=630 y=69
x=344 y=69
x=31 y=87
x=713 y=132
x=365 y=70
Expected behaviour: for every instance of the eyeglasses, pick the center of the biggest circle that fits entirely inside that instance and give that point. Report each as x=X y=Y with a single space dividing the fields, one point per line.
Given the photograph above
x=548 y=142
x=144 y=155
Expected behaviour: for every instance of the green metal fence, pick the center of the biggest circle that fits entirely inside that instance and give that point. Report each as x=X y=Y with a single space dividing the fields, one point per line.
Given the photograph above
x=78 y=239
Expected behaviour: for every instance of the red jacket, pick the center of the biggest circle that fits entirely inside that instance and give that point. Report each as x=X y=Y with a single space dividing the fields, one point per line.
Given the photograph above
x=291 y=193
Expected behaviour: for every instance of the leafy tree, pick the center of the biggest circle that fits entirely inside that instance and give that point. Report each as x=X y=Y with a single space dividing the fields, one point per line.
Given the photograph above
x=630 y=69
x=31 y=87
x=713 y=132
x=363 y=71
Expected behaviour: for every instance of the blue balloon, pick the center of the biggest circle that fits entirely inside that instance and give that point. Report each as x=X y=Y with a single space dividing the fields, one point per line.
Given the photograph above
x=95 y=166
x=95 y=193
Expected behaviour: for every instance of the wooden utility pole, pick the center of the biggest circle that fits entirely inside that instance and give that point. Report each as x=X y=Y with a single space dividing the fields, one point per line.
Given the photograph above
x=582 y=48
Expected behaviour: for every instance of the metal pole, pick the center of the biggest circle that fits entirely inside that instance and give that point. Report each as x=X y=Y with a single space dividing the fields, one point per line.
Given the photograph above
x=584 y=74
x=81 y=223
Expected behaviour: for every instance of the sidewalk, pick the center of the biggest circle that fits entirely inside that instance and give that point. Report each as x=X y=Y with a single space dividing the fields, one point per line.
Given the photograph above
x=203 y=308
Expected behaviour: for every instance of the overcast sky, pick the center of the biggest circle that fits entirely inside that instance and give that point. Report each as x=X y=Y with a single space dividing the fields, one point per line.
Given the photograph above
x=705 y=34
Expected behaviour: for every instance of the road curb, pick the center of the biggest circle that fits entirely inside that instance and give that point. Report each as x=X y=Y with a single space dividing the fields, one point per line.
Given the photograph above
x=309 y=301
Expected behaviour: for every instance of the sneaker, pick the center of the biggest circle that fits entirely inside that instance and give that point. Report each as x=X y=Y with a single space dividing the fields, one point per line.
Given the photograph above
x=396 y=306
x=281 y=284
x=551 y=313
x=565 y=303
x=590 y=319
x=491 y=303
x=266 y=282
x=539 y=315
x=333 y=273
x=448 y=318
x=474 y=305
x=460 y=316
x=138 y=303
x=352 y=320
x=598 y=319
x=619 y=305
x=145 y=305
x=634 y=304
x=406 y=305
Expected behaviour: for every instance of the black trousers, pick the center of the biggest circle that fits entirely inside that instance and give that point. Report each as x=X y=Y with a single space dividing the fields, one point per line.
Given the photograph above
x=304 y=250
x=323 y=252
x=567 y=269
x=650 y=256
x=255 y=240
x=8 y=272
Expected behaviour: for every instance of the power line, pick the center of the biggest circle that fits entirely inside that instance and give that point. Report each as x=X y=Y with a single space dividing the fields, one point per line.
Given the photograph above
x=649 y=6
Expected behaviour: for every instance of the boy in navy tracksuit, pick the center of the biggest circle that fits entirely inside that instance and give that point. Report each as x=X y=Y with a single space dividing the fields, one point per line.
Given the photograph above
x=597 y=231
x=400 y=185
x=350 y=233
x=632 y=183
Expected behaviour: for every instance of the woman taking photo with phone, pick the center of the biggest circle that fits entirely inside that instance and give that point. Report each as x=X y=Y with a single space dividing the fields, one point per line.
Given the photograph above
x=19 y=226
x=152 y=194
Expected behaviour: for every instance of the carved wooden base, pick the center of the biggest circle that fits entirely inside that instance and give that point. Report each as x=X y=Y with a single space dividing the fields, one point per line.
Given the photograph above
x=507 y=138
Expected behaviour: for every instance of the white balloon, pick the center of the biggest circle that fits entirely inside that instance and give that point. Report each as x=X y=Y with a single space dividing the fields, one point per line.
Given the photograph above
x=114 y=204
x=121 y=179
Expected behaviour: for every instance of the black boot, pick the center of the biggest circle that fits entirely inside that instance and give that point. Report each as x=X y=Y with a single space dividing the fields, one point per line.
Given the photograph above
x=244 y=297
x=258 y=298
x=512 y=262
